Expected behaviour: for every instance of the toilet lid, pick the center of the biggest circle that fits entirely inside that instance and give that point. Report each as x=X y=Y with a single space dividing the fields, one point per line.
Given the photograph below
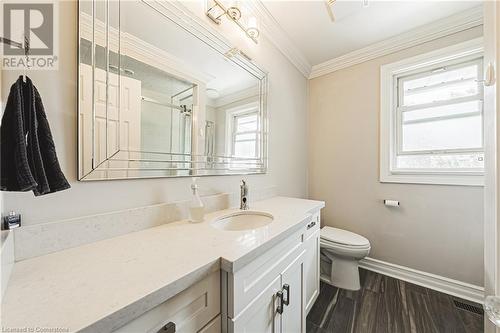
x=343 y=237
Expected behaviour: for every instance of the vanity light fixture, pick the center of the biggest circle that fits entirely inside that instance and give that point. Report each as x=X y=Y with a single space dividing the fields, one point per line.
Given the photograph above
x=216 y=10
x=234 y=52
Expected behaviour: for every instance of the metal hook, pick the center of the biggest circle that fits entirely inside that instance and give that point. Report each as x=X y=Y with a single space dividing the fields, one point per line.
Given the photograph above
x=10 y=42
x=26 y=54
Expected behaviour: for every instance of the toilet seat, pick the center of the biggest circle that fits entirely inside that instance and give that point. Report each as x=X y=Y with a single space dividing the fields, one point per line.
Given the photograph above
x=332 y=245
x=334 y=237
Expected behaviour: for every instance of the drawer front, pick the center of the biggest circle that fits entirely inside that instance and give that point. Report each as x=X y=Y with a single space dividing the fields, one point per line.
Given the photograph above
x=312 y=226
x=190 y=310
x=212 y=327
x=247 y=283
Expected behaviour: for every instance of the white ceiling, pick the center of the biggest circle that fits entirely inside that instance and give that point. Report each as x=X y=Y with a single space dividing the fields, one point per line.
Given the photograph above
x=310 y=28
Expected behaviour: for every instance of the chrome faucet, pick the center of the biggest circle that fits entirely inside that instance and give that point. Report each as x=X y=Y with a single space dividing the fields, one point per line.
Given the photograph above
x=243 y=195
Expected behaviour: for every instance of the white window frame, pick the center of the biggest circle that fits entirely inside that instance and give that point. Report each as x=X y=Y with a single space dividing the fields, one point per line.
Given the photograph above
x=389 y=142
x=231 y=115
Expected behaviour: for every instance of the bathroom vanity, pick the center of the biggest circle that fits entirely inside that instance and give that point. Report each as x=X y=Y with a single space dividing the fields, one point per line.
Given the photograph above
x=273 y=292
x=180 y=275
x=270 y=293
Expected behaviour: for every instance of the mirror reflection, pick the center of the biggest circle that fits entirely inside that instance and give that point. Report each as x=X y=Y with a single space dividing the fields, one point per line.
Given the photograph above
x=163 y=104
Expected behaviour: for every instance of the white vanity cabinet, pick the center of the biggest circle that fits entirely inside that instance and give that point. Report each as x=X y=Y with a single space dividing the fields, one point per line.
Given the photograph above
x=196 y=309
x=270 y=294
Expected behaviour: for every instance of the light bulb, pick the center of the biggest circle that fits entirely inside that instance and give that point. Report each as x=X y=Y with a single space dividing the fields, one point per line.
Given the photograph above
x=252 y=22
x=252 y=30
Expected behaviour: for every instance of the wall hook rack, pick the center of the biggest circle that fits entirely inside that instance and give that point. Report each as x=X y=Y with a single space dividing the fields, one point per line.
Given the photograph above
x=11 y=42
x=26 y=48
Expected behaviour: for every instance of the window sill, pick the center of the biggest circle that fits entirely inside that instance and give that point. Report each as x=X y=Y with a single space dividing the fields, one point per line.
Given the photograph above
x=434 y=179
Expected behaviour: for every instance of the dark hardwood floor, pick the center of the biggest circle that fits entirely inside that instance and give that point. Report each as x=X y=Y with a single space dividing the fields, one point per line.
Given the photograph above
x=388 y=305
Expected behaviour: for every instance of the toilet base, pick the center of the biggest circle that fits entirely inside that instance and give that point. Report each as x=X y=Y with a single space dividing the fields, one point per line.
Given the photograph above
x=343 y=272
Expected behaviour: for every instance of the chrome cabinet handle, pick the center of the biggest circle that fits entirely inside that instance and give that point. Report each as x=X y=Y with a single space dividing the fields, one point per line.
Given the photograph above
x=286 y=287
x=310 y=225
x=168 y=328
x=279 y=294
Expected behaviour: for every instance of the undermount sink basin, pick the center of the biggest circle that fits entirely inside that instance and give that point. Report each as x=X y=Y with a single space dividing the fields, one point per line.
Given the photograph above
x=242 y=220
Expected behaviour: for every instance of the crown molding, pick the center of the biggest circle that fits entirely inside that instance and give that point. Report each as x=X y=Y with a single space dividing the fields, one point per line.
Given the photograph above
x=235 y=97
x=452 y=24
x=279 y=37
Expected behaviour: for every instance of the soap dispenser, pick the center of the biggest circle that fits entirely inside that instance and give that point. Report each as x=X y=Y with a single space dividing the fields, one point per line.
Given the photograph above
x=196 y=208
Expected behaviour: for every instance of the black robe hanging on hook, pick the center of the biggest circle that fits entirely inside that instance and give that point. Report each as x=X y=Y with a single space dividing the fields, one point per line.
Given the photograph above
x=27 y=151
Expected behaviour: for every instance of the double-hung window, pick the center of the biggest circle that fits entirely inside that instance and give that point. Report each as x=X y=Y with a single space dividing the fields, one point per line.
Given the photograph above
x=245 y=134
x=432 y=118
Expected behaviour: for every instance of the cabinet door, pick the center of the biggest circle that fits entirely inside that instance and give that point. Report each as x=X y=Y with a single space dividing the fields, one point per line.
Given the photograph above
x=260 y=316
x=293 y=317
x=311 y=270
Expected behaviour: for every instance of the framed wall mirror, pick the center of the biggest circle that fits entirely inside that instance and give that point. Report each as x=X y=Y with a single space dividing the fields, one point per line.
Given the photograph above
x=166 y=99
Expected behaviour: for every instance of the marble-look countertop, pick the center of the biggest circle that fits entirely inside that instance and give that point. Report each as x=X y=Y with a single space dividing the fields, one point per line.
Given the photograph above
x=99 y=286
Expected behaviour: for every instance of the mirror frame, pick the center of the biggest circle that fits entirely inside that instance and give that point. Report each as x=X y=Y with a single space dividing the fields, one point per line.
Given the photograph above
x=180 y=15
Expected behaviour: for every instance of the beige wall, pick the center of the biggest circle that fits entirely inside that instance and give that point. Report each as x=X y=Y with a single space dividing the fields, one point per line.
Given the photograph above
x=437 y=229
x=287 y=113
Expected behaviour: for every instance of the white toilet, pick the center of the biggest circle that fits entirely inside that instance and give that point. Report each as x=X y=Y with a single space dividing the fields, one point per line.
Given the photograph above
x=341 y=251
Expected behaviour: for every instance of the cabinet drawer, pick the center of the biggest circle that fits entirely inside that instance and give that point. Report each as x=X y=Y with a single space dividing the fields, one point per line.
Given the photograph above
x=190 y=310
x=312 y=226
x=212 y=327
x=247 y=283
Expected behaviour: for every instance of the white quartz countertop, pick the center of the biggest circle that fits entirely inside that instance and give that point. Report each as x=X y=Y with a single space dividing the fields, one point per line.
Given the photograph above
x=99 y=286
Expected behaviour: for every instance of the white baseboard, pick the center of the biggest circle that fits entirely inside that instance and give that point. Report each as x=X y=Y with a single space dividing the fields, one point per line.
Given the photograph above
x=440 y=283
